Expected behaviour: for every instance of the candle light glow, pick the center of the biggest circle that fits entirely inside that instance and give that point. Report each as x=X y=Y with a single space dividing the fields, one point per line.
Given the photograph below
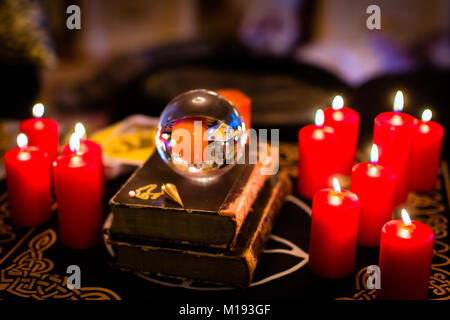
x=398 y=101
x=319 y=118
x=336 y=185
x=335 y=195
x=22 y=141
x=80 y=130
x=405 y=217
x=319 y=121
x=427 y=115
x=373 y=170
x=38 y=110
x=337 y=103
x=404 y=231
x=74 y=143
x=374 y=154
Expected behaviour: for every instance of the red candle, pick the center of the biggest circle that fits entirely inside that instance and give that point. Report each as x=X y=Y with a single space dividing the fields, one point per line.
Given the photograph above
x=78 y=193
x=374 y=185
x=316 y=149
x=334 y=228
x=406 y=249
x=426 y=153
x=42 y=132
x=345 y=122
x=393 y=134
x=28 y=182
x=88 y=147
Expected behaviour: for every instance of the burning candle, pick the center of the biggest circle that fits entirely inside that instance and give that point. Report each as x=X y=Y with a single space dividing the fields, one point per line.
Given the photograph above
x=426 y=153
x=42 y=132
x=316 y=149
x=88 y=147
x=345 y=122
x=374 y=185
x=406 y=249
x=28 y=182
x=334 y=228
x=393 y=134
x=78 y=193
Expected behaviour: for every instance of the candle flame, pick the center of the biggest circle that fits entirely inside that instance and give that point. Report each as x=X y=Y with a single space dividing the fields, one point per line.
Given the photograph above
x=320 y=118
x=426 y=115
x=405 y=217
x=374 y=154
x=337 y=103
x=22 y=140
x=398 y=101
x=38 y=110
x=336 y=185
x=74 y=143
x=80 y=130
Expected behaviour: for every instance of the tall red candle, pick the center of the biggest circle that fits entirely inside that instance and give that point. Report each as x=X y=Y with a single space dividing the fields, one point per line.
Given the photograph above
x=78 y=193
x=393 y=134
x=28 y=182
x=334 y=228
x=88 y=147
x=406 y=249
x=345 y=121
x=374 y=185
x=42 y=132
x=426 y=153
x=316 y=149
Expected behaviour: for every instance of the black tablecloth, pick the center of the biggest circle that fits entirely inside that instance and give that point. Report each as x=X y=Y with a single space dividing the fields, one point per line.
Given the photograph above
x=33 y=263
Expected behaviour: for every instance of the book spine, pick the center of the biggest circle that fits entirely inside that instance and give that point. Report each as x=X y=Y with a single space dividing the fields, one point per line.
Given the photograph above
x=254 y=251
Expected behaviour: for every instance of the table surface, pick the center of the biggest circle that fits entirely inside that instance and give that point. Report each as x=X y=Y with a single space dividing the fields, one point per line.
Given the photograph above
x=33 y=263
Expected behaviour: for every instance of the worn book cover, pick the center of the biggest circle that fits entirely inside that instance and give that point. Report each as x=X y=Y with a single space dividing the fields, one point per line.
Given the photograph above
x=233 y=267
x=212 y=215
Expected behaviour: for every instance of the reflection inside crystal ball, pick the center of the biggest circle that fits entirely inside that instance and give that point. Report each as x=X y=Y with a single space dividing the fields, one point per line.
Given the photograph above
x=201 y=134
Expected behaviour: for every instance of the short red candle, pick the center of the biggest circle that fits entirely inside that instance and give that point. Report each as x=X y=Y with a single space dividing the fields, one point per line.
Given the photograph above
x=28 y=182
x=316 y=151
x=334 y=228
x=88 y=147
x=78 y=194
x=393 y=134
x=345 y=122
x=374 y=185
x=405 y=259
x=426 y=153
x=42 y=132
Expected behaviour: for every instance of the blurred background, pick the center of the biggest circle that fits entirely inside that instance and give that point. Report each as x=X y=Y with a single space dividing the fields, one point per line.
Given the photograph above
x=288 y=56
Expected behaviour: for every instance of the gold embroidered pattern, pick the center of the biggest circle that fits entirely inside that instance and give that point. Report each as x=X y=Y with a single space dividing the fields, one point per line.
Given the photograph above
x=6 y=233
x=28 y=275
x=288 y=158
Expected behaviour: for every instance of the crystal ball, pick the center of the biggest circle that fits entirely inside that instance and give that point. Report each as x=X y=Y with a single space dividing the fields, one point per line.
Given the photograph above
x=201 y=134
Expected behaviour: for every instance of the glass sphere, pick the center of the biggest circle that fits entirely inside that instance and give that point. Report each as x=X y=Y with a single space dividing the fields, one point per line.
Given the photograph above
x=201 y=134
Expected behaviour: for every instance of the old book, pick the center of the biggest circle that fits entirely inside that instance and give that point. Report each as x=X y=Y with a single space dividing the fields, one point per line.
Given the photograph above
x=233 y=267
x=212 y=215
